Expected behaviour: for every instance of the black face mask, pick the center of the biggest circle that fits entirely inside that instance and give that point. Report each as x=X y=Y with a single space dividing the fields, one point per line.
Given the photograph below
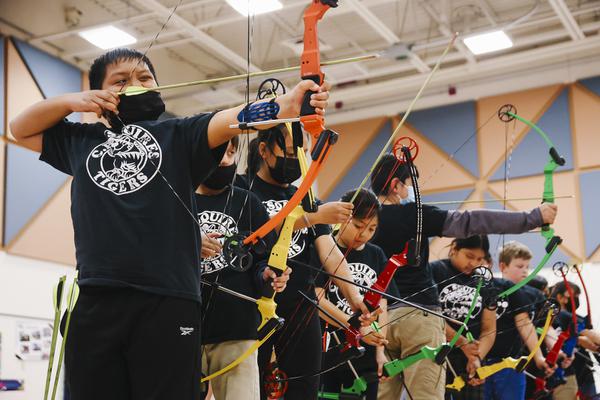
x=221 y=177
x=140 y=107
x=286 y=170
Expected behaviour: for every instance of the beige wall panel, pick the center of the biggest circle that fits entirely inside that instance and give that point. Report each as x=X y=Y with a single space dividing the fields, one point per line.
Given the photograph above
x=530 y=104
x=49 y=235
x=354 y=138
x=20 y=87
x=567 y=224
x=436 y=172
x=585 y=112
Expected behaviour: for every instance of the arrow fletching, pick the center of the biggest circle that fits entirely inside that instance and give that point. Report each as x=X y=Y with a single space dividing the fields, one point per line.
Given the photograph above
x=58 y=293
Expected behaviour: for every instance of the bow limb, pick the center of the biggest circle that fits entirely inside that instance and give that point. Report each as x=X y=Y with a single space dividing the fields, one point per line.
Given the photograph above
x=373 y=298
x=312 y=122
x=507 y=113
x=518 y=364
x=267 y=307
x=587 y=298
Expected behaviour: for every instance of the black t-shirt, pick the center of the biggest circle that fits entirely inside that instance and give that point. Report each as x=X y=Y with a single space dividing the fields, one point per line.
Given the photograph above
x=233 y=211
x=365 y=265
x=130 y=229
x=397 y=225
x=456 y=291
x=274 y=198
x=536 y=299
x=508 y=341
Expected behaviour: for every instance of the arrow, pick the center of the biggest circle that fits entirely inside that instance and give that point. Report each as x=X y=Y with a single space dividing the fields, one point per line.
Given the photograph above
x=134 y=90
x=571 y=196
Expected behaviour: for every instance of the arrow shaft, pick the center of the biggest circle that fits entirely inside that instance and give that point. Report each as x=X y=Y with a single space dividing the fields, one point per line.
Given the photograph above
x=251 y=74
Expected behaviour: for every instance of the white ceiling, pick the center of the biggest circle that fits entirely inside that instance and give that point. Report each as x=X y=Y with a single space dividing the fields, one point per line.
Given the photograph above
x=555 y=41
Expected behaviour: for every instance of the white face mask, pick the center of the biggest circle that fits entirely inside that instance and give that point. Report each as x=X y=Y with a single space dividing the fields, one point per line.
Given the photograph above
x=410 y=198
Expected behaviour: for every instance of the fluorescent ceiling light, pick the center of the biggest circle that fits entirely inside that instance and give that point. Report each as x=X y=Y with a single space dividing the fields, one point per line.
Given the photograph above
x=488 y=42
x=254 y=7
x=107 y=37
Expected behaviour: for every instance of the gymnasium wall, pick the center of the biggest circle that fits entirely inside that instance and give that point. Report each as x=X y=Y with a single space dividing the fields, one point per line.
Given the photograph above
x=465 y=153
x=36 y=235
x=463 y=150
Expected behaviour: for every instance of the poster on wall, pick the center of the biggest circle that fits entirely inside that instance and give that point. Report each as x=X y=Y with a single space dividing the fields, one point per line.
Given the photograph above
x=33 y=340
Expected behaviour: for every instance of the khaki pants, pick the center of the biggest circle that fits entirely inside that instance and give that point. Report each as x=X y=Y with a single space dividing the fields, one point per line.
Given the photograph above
x=568 y=391
x=242 y=382
x=424 y=380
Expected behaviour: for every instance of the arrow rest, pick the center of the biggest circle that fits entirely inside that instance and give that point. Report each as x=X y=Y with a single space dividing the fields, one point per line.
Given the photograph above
x=237 y=254
x=552 y=304
x=505 y=113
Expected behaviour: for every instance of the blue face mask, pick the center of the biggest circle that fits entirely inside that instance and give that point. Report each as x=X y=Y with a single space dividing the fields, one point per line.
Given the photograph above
x=410 y=198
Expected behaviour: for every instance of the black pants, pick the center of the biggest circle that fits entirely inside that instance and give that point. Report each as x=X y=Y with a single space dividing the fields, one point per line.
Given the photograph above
x=125 y=344
x=298 y=350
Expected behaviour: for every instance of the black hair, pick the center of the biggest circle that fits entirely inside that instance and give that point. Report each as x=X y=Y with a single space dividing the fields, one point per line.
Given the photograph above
x=386 y=169
x=538 y=282
x=473 y=242
x=366 y=204
x=98 y=69
x=235 y=142
x=270 y=137
x=561 y=288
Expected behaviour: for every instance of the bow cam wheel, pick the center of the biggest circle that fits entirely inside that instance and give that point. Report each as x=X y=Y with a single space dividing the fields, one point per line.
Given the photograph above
x=504 y=113
x=401 y=145
x=275 y=382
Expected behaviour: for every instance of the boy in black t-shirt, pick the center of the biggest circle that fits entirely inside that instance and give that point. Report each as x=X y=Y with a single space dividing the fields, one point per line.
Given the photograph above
x=515 y=330
x=135 y=330
x=225 y=211
x=397 y=226
x=366 y=261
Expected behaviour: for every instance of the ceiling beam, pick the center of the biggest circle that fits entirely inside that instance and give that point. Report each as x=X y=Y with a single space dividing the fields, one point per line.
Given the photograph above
x=444 y=29
x=566 y=18
x=207 y=42
x=386 y=33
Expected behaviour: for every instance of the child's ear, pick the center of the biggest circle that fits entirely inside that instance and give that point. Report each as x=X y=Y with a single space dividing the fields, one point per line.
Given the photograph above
x=393 y=183
x=262 y=150
x=502 y=266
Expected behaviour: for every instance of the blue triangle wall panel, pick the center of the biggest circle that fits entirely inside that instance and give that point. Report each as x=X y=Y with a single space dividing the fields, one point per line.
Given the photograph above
x=30 y=183
x=589 y=188
x=52 y=75
x=592 y=84
x=361 y=167
x=448 y=127
x=531 y=154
